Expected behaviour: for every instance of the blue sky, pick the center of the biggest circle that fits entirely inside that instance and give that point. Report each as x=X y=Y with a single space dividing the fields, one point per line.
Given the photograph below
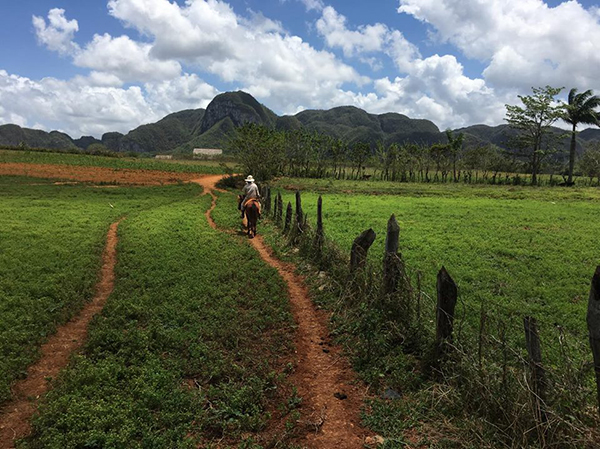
x=88 y=67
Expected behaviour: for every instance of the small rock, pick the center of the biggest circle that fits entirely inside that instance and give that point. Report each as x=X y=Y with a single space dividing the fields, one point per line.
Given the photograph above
x=390 y=393
x=321 y=288
x=374 y=441
x=296 y=250
x=322 y=274
x=340 y=396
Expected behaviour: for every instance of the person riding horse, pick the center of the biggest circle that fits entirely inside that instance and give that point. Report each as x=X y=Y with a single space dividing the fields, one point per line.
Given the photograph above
x=250 y=192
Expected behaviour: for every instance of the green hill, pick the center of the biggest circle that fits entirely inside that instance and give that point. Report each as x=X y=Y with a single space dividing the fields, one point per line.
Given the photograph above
x=183 y=131
x=14 y=136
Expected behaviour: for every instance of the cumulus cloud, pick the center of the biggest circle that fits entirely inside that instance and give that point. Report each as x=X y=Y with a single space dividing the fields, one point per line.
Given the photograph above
x=58 y=33
x=524 y=42
x=125 y=59
x=207 y=34
x=435 y=88
x=82 y=107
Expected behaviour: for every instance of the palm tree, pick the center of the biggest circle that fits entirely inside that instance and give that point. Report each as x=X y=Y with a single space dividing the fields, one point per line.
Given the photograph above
x=581 y=109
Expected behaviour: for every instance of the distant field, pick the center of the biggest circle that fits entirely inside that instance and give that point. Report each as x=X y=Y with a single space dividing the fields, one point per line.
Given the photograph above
x=33 y=157
x=185 y=350
x=50 y=246
x=520 y=250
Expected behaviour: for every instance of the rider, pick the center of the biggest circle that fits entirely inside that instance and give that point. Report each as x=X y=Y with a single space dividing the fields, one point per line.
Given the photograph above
x=250 y=191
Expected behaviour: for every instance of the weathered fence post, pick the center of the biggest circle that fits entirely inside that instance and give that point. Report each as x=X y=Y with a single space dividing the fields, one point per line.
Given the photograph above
x=279 y=213
x=538 y=375
x=288 y=218
x=392 y=262
x=299 y=213
x=360 y=248
x=447 y=295
x=593 y=323
x=319 y=236
x=275 y=205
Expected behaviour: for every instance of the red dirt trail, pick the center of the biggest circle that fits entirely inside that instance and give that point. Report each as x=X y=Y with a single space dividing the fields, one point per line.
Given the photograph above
x=15 y=415
x=321 y=370
x=100 y=175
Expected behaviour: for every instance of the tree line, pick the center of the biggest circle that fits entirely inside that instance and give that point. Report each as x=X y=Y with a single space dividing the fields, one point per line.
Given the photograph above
x=267 y=152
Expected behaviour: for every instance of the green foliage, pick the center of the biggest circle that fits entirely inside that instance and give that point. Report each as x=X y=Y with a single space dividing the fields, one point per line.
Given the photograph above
x=533 y=120
x=184 y=352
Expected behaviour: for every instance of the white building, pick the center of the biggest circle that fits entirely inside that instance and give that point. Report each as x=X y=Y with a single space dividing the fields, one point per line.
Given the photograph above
x=163 y=156
x=206 y=153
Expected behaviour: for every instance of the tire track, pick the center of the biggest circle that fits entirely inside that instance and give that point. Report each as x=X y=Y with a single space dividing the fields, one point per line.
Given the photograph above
x=16 y=414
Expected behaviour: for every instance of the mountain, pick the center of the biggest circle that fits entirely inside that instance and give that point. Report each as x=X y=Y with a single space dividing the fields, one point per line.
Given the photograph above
x=212 y=127
x=14 y=135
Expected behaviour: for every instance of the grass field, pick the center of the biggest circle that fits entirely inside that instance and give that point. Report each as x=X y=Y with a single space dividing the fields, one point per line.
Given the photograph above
x=34 y=157
x=525 y=250
x=50 y=254
x=185 y=351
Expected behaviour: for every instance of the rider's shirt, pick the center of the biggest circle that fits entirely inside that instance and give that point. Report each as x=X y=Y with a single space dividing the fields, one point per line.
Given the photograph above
x=251 y=191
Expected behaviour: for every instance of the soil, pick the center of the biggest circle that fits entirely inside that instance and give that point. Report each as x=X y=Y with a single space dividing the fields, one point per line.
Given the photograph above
x=331 y=395
x=98 y=175
x=55 y=353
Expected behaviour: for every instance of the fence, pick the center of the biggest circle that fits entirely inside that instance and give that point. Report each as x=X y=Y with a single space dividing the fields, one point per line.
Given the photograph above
x=514 y=391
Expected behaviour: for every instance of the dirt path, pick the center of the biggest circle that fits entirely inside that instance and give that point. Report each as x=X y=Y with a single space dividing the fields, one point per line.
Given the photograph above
x=15 y=416
x=331 y=396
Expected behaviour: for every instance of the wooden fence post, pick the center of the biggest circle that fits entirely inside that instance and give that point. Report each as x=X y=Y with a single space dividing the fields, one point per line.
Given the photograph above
x=319 y=236
x=275 y=205
x=538 y=374
x=593 y=323
x=392 y=263
x=360 y=248
x=288 y=218
x=279 y=213
x=267 y=200
x=299 y=213
x=447 y=295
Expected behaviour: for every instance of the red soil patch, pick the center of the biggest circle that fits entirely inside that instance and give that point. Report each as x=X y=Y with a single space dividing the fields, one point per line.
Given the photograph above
x=15 y=415
x=331 y=395
x=95 y=174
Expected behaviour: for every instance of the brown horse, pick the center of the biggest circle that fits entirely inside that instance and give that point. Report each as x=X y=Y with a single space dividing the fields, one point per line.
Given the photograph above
x=251 y=212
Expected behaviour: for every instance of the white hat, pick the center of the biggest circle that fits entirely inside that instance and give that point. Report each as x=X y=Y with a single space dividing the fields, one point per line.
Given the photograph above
x=249 y=178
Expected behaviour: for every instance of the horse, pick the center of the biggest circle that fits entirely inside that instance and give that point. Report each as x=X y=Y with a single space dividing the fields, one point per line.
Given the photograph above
x=251 y=213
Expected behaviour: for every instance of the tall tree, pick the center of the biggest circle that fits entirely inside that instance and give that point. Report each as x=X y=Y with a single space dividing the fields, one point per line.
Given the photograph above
x=533 y=121
x=581 y=109
x=455 y=144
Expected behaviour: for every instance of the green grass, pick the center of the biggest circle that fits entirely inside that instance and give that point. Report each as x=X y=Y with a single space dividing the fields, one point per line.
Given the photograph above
x=184 y=353
x=50 y=247
x=525 y=250
x=33 y=157
x=517 y=251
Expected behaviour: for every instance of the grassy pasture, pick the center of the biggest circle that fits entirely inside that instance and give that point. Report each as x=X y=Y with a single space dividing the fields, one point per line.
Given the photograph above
x=520 y=250
x=34 y=157
x=50 y=246
x=184 y=352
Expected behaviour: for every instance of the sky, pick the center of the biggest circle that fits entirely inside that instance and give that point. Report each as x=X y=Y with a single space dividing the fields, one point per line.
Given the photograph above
x=93 y=66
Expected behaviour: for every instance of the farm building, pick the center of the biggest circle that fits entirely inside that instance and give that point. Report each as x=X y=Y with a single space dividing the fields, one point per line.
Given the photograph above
x=163 y=156
x=206 y=152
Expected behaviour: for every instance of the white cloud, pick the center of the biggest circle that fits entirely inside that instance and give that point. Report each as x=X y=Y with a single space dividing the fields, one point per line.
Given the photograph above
x=524 y=42
x=209 y=35
x=58 y=34
x=125 y=59
x=79 y=107
x=313 y=4
x=366 y=39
